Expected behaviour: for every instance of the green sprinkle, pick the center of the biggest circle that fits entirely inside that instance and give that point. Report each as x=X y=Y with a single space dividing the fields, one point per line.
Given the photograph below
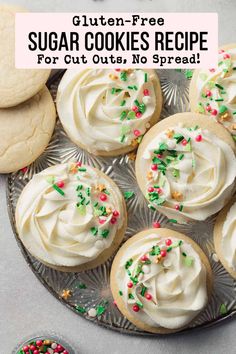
x=184 y=254
x=219 y=86
x=180 y=242
x=139 y=304
x=169 y=249
x=151 y=207
x=134 y=87
x=223 y=309
x=181 y=207
x=180 y=156
x=123 y=115
x=88 y=191
x=80 y=186
x=94 y=230
x=143 y=290
x=120 y=293
x=118 y=90
x=105 y=233
x=95 y=204
x=123 y=76
x=113 y=90
x=176 y=173
x=155 y=251
x=145 y=77
x=100 y=310
x=222 y=109
x=188 y=261
x=129 y=263
x=82 y=209
x=59 y=190
x=80 y=309
x=200 y=108
x=123 y=103
x=131 y=115
x=188 y=74
x=219 y=99
x=50 y=179
x=136 y=102
x=173 y=221
x=142 y=108
x=234 y=112
x=82 y=286
x=122 y=139
x=128 y=195
x=131 y=296
x=82 y=169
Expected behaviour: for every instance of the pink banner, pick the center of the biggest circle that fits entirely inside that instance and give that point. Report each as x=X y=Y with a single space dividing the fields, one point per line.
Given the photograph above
x=148 y=40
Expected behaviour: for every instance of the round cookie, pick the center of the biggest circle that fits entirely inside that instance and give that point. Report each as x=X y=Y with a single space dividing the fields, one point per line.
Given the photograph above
x=224 y=237
x=107 y=111
x=161 y=280
x=16 y=85
x=185 y=167
x=71 y=217
x=25 y=131
x=213 y=92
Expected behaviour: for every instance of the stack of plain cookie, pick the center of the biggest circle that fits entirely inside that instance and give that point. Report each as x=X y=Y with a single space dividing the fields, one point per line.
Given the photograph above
x=27 y=112
x=72 y=217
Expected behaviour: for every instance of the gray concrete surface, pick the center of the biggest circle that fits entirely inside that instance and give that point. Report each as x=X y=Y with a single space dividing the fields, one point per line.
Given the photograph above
x=25 y=305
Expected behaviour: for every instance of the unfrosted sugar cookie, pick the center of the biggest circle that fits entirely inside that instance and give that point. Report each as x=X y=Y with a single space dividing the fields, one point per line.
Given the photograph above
x=213 y=91
x=160 y=280
x=108 y=111
x=71 y=217
x=225 y=237
x=16 y=85
x=186 y=167
x=26 y=131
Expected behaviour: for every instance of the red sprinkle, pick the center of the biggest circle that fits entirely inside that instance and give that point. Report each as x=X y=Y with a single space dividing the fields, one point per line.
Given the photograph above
x=156 y=224
x=25 y=348
x=184 y=142
x=39 y=343
x=148 y=296
x=154 y=167
x=137 y=132
x=150 y=189
x=103 y=197
x=163 y=253
x=221 y=51
x=176 y=207
x=212 y=70
x=159 y=190
x=32 y=347
x=138 y=114
x=101 y=221
x=130 y=284
x=208 y=93
x=65 y=352
x=144 y=258
x=208 y=108
x=226 y=56
x=136 y=308
x=198 y=138
x=117 y=69
x=116 y=213
x=79 y=164
x=36 y=352
x=24 y=169
x=60 y=184
x=135 y=108
x=159 y=156
x=168 y=242
x=113 y=221
x=60 y=348
x=115 y=303
x=146 y=92
x=214 y=112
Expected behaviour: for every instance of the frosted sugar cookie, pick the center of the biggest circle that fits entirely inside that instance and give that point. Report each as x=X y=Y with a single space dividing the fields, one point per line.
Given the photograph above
x=16 y=85
x=71 y=217
x=25 y=131
x=160 y=280
x=225 y=237
x=186 y=167
x=213 y=91
x=108 y=111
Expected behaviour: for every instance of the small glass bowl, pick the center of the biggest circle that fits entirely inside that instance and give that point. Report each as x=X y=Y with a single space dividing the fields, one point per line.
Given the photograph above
x=47 y=335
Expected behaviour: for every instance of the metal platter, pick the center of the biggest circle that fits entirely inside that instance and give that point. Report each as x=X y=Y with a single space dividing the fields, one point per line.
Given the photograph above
x=90 y=289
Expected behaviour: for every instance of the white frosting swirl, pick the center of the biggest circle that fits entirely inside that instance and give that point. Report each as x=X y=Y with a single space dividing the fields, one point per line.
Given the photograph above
x=175 y=286
x=195 y=173
x=73 y=228
x=96 y=109
x=217 y=90
x=228 y=242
